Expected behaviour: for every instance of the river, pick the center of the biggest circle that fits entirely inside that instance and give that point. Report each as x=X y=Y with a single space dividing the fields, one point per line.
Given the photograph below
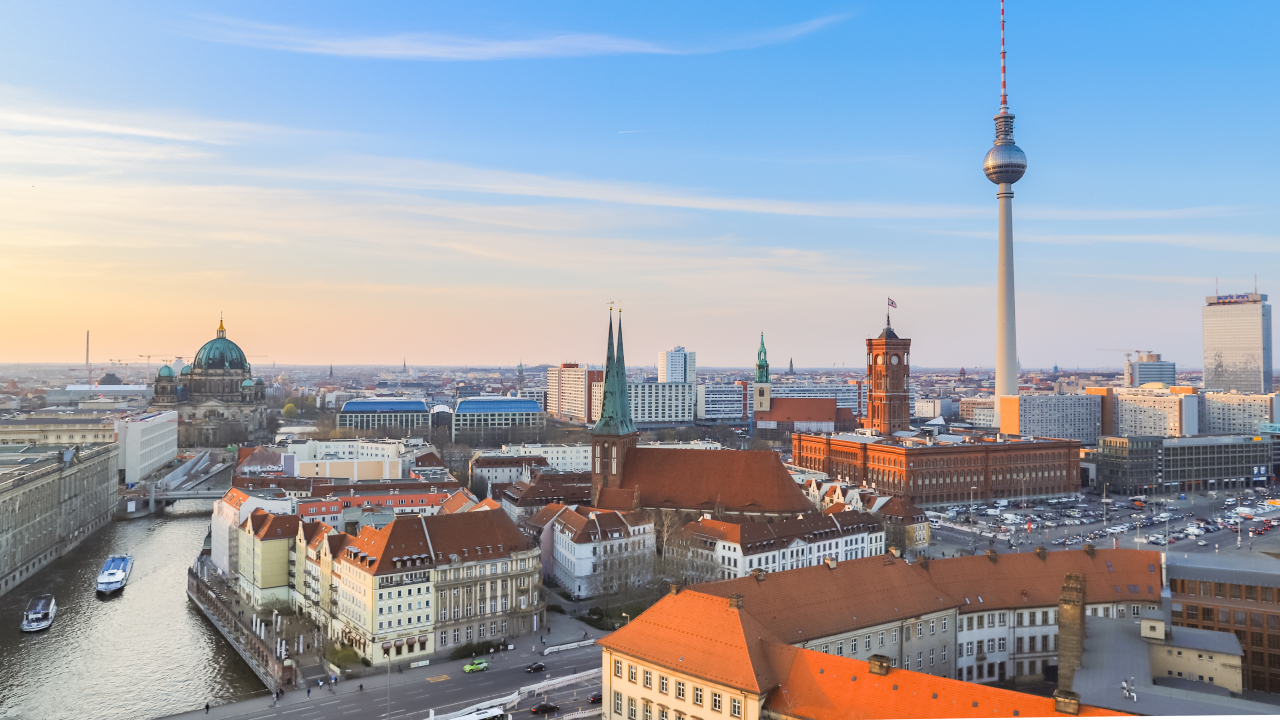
x=144 y=653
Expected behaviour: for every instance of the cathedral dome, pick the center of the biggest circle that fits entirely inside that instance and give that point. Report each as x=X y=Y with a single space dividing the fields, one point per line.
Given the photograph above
x=260 y=382
x=186 y=369
x=248 y=383
x=165 y=371
x=220 y=354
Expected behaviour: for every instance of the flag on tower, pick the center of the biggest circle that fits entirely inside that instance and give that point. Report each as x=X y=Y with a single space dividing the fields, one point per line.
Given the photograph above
x=892 y=304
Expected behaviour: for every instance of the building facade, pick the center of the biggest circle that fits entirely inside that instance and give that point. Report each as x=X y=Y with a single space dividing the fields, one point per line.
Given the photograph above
x=375 y=413
x=978 y=411
x=51 y=499
x=597 y=551
x=1153 y=410
x=678 y=365
x=654 y=404
x=479 y=415
x=736 y=550
x=569 y=390
x=1237 y=343
x=1071 y=417
x=1227 y=413
x=1150 y=464
x=932 y=472
x=147 y=443
x=1149 y=368
x=888 y=374
x=724 y=402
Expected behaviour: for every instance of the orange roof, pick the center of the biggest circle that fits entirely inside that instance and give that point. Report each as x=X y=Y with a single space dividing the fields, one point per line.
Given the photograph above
x=457 y=502
x=486 y=504
x=799 y=410
x=819 y=686
x=433 y=539
x=545 y=515
x=740 y=480
x=835 y=508
x=266 y=526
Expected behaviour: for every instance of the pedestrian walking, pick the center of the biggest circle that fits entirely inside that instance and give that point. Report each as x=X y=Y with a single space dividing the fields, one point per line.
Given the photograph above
x=206 y=708
x=308 y=691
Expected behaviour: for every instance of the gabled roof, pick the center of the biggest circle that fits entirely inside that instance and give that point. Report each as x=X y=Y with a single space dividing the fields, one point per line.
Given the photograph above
x=739 y=480
x=313 y=534
x=458 y=502
x=485 y=504
x=544 y=516
x=903 y=510
x=799 y=410
x=266 y=526
x=757 y=537
x=435 y=539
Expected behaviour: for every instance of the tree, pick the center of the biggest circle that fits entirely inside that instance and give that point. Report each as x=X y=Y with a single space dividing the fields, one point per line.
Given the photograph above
x=290 y=411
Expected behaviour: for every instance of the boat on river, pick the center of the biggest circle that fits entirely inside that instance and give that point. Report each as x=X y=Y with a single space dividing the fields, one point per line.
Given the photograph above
x=39 y=614
x=115 y=573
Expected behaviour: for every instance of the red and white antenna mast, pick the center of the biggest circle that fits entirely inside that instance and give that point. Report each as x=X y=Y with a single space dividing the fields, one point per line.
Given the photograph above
x=1004 y=88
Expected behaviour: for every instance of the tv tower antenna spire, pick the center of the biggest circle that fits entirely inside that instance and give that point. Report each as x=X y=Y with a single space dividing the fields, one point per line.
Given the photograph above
x=1004 y=87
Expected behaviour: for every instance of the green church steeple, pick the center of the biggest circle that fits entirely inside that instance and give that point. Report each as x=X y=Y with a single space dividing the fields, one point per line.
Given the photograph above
x=615 y=405
x=762 y=363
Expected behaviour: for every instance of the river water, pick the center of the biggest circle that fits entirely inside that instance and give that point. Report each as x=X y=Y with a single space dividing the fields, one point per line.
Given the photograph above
x=143 y=653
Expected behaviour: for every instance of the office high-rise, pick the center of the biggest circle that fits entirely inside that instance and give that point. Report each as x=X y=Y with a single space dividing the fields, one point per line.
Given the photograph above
x=1149 y=368
x=677 y=365
x=1237 y=343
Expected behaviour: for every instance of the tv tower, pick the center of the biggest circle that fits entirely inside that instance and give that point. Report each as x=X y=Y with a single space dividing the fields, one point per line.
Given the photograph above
x=1004 y=165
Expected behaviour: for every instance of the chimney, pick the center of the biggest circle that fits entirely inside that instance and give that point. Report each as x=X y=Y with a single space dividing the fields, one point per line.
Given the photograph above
x=831 y=562
x=674 y=589
x=735 y=601
x=991 y=554
x=894 y=551
x=1066 y=702
x=924 y=562
x=1071 y=632
x=1041 y=552
x=1089 y=549
x=758 y=574
x=879 y=664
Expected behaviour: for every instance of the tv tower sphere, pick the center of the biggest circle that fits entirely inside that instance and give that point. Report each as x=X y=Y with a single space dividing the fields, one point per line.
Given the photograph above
x=1005 y=163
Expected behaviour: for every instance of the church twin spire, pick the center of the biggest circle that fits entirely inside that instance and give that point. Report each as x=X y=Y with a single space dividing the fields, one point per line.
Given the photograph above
x=615 y=405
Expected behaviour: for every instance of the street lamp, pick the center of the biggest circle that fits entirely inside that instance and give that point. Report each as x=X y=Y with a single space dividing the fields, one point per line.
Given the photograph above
x=972 y=540
x=628 y=617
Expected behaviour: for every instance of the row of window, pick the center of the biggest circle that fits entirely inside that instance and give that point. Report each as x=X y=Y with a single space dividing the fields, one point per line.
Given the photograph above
x=1229 y=591
x=664 y=686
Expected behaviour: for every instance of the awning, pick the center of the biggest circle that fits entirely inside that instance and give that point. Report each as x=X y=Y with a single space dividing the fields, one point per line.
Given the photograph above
x=386 y=645
x=424 y=639
x=399 y=643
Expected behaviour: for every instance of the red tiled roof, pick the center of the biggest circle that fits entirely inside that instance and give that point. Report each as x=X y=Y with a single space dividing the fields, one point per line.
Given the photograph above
x=266 y=526
x=740 y=480
x=433 y=539
x=485 y=504
x=489 y=461
x=545 y=515
x=799 y=410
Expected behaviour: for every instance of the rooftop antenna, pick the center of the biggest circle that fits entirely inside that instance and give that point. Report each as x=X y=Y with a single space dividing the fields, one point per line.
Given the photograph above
x=1004 y=90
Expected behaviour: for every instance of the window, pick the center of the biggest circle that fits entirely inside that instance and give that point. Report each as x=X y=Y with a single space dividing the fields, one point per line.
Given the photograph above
x=617 y=668
x=715 y=701
x=968 y=623
x=991 y=645
x=893 y=636
x=631 y=673
x=866 y=643
x=881 y=639
x=944 y=653
x=919 y=629
x=697 y=696
x=662 y=685
x=662 y=713
x=840 y=647
x=1001 y=645
x=944 y=624
x=930 y=657
x=1017 y=644
x=968 y=649
x=1019 y=622
x=735 y=707
x=679 y=689
x=931 y=627
x=1001 y=619
x=617 y=703
x=648 y=679
x=648 y=710
x=631 y=708
x=919 y=660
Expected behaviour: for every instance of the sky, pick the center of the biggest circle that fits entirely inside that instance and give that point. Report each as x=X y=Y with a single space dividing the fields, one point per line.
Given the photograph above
x=475 y=183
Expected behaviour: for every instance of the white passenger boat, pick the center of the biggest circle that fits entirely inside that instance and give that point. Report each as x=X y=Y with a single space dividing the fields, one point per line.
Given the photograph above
x=115 y=573
x=40 y=613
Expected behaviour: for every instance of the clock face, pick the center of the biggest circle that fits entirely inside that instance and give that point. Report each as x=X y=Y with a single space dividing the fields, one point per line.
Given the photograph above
x=893 y=360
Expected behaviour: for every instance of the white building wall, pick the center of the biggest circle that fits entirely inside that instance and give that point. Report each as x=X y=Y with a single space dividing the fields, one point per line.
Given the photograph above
x=654 y=402
x=1072 y=417
x=677 y=365
x=1156 y=412
x=147 y=443
x=1236 y=413
x=723 y=401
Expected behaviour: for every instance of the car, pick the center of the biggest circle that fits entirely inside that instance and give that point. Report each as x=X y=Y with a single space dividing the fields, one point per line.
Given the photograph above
x=536 y=667
x=544 y=708
x=475 y=666
x=595 y=697
x=1201 y=543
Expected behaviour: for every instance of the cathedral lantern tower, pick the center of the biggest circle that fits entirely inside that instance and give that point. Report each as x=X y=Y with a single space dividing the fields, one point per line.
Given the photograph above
x=615 y=432
x=889 y=375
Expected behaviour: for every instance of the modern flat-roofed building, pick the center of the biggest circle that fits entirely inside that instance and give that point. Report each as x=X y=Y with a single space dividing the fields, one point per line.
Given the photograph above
x=978 y=411
x=569 y=389
x=1149 y=368
x=724 y=402
x=147 y=442
x=677 y=365
x=496 y=412
x=1151 y=410
x=1224 y=413
x=374 y=413
x=654 y=404
x=1237 y=343
x=1149 y=464
x=51 y=499
x=1072 y=417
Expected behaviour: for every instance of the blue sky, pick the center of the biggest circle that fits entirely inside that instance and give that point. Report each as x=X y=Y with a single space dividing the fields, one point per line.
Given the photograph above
x=473 y=183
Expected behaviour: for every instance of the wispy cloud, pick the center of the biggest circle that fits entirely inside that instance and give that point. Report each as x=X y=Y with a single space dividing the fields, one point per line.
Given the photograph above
x=1219 y=242
x=443 y=47
x=1164 y=279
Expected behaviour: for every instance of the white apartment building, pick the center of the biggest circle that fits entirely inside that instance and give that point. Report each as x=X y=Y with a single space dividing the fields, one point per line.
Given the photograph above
x=537 y=394
x=232 y=509
x=1235 y=413
x=677 y=365
x=978 y=411
x=566 y=458
x=569 y=390
x=724 y=401
x=596 y=552
x=847 y=395
x=1155 y=411
x=147 y=442
x=352 y=459
x=935 y=407
x=738 y=549
x=654 y=403
x=1070 y=417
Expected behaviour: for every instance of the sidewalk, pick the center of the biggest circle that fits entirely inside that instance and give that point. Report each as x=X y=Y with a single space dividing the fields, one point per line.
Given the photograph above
x=528 y=649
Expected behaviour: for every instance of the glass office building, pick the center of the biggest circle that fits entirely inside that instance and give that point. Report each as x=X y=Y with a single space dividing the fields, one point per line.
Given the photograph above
x=1237 y=343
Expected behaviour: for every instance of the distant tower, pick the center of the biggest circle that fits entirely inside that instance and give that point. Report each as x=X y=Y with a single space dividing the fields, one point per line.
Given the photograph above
x=791 y=367
x=520 y=378
x=1004 y=165
x=888 y=373
x=331 y=372
x=763 y=397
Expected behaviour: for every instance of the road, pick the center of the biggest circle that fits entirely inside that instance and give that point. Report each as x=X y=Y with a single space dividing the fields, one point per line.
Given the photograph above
x=948 y=542
x=441 y=687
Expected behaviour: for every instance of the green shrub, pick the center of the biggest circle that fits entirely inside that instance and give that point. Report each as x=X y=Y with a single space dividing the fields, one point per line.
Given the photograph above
x=479 y=649
x=553 y=607
x=365 y=661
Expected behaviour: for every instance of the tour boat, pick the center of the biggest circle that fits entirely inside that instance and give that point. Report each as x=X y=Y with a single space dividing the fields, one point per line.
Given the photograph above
x=39 y=614
x=115 y=573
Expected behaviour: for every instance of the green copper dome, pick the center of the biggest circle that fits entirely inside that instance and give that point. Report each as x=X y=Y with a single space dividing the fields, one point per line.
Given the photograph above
x=220 y=354
x=165 y=371
x=248 y=383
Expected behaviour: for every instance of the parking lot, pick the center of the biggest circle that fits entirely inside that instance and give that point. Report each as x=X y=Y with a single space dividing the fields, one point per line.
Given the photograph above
x=1069 y=524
